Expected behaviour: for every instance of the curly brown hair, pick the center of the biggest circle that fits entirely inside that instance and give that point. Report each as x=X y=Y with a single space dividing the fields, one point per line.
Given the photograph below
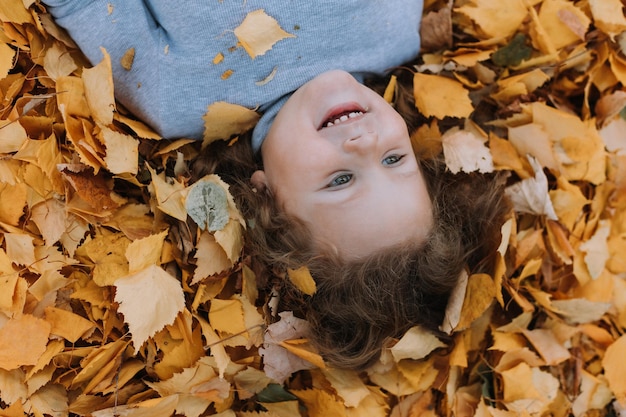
x=359 y=304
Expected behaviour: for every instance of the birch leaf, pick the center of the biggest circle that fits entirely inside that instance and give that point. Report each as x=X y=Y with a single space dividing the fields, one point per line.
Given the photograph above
x=531 y=195
x=223 y=120
x=441 y=97
x=149 y=300
x=32 y=334
x=466 y=152
x=259 y=32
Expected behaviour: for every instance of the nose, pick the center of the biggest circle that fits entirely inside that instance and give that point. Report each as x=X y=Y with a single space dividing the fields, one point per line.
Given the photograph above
x=361 y=142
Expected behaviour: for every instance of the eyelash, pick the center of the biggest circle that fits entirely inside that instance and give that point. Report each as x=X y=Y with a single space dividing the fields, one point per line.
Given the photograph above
x=343 y=179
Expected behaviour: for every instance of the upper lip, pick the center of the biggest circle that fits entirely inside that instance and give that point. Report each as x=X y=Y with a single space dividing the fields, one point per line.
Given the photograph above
x=336 y=111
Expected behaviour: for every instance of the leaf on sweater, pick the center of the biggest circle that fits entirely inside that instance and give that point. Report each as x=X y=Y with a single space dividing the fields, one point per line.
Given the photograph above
x=149 y=300
x=259 y=32
x=223 y=120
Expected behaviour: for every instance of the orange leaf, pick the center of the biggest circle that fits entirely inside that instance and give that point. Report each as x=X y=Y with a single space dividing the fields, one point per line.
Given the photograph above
x=22 y=341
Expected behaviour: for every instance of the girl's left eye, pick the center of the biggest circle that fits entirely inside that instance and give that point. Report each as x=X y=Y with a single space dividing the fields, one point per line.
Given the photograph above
x=392 y=159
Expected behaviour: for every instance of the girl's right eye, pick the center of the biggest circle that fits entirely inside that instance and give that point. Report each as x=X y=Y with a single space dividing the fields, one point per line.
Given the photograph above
x=340 y=180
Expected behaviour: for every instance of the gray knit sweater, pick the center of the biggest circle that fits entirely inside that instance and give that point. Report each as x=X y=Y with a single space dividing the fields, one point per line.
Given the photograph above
x=173 y=77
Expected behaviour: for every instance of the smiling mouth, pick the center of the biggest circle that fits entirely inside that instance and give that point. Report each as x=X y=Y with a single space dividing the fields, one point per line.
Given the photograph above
x=342 y=114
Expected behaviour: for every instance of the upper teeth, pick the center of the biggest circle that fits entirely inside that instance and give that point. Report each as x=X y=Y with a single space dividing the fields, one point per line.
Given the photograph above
x=344 y=118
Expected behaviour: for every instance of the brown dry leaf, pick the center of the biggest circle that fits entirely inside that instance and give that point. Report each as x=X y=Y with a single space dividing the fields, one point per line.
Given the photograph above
x=441 y=97
x=259 y=32
x=223 y=120
x=126 y=61
x=149 y=300
x=23 y=340
x=302 y=279
x=436 y=29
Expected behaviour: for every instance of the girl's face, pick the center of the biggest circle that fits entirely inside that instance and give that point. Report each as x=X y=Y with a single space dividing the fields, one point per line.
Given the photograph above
x=339 y=157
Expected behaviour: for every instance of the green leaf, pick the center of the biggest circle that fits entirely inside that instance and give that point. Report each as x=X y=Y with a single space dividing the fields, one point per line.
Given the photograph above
x=514 y=53
x=622 y=114
x=275 y=393
x=207 y=205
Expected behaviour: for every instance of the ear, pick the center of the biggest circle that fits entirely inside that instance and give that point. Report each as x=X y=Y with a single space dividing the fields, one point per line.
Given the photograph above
x=259 y=180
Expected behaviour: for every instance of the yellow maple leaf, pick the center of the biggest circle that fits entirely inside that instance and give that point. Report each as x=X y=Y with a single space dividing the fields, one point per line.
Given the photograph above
x=149 y=300
x=259 y=32
x=441 y=96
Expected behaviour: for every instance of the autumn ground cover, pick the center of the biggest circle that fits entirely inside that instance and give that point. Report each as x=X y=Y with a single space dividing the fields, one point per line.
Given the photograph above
x=113 y=302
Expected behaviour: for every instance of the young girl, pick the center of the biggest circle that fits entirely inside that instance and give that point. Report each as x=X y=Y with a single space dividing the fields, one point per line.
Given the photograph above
x=328 y=176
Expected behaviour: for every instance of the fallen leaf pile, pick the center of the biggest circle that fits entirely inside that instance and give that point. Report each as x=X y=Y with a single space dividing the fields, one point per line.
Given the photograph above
x=113 y=303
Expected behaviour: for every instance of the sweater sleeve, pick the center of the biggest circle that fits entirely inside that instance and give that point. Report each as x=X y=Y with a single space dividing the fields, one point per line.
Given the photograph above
x=121 y=27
